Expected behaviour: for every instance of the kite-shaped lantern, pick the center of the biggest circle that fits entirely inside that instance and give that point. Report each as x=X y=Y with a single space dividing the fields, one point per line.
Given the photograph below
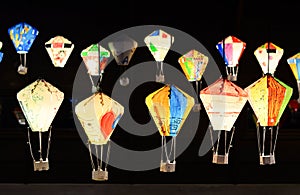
x=294 y=63
x=231 y=49
x=268 y=97
x=22 y=36
x=1 y=54
x=169 y=107
x=40 y=102
x=99 y=115
x=59 y=50
x=223 y=101
x=193 y=64
x=122 y=49
x=95 y=58
x=159 y=43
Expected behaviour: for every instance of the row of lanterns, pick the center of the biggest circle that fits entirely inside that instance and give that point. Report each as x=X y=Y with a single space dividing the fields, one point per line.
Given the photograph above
x=169 y=106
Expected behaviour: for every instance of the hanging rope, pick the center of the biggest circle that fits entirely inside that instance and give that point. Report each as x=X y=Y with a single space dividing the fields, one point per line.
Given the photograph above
x=211 y=137
x=258 y=138
x=29 y=143
x=276 y=135
x=107 y=154
x=91 y=156
x=49 y=142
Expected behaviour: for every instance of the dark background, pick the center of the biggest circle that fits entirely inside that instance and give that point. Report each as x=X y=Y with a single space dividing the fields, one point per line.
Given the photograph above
x=84 y=23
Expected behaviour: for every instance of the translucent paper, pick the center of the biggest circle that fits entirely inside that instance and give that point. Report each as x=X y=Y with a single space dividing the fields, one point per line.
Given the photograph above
x=40 y=102
x=169 y=107
x=223 y=101
x=59 y=50
x=99 y=115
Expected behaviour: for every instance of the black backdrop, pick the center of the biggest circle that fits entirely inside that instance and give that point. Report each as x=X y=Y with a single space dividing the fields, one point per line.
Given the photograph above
x=85 y=23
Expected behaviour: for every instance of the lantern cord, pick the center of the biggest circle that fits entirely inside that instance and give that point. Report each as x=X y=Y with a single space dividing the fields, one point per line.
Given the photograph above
x=225 y=141
x=271 y=139
x=237 y=70
x=211 y=137
x=276 y=135
x=264 y=137
x=219 y=135
x=107 y=155
x=29 y=143
x=258 y=137
x=21 y=60
x=49 y=142
x=91 y=156
x=164 y=149
x=99 y=162
x=40 y=142
x=233 y=130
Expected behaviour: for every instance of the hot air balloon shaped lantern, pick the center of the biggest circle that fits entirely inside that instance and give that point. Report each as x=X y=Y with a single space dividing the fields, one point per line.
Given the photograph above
x=40 y=102
x=294 y=63
x=122 y=49
x=95 y=58
x=223 y=101
x=1 y=53
x=193 y=64
x=231 y=49
x=159 y=43
x=59 y=50
x=169 y=107
x=99 y=115
x=268 y=97
x=22 y=36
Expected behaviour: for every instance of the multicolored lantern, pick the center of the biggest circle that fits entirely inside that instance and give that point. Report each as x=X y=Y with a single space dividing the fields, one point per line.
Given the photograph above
x=268 y=97
x=193 y=64
x=223 y=101
x=159 y=43
x=40 y=102
x=231 y=49
x=95 y=58
x=59 y=50
x=22 y=36
x=122 y=49
x=169 y=107
x=99 y=115
x=294 y=63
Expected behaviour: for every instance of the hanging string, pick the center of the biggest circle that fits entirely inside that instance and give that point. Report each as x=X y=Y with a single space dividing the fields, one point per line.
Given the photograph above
x=40 y=142
x=258 y=137
x=91 y=156
x=162 y=149
x=29 y=143
x=233 y=130
x=219 y=135
x=225 y=140
x=264 y=137
x=49 y=141
x=211 y=137
x=107 y=154
x=97 y=157
x=277 y=129
x=271 y=138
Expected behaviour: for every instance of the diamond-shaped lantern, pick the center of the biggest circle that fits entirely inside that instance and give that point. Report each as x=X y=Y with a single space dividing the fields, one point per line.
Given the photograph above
x=231 y=49
x=169 y=107
x=95 y=58
x=59 y=50
x=268 y=56
x=294 y=63
x=159 y=43
x=99 y=115
x=122 y=49
x=268 y=97
x=40 y=102
x=193 y=64
x=22 y=35
x=223 y=101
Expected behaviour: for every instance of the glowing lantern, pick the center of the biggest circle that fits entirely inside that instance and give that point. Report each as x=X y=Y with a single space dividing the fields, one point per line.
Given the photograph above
x=40 y=102
x=59 y=50
x=294 y=63
x=22 y=36
x=159 y=43
x=223 y=101
x=169 y=107
x=122 y=49
x=193 y=65
x=231 y=49
x=95 y=58
x=99 y=115
x=268 y=97
x=1 y=54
